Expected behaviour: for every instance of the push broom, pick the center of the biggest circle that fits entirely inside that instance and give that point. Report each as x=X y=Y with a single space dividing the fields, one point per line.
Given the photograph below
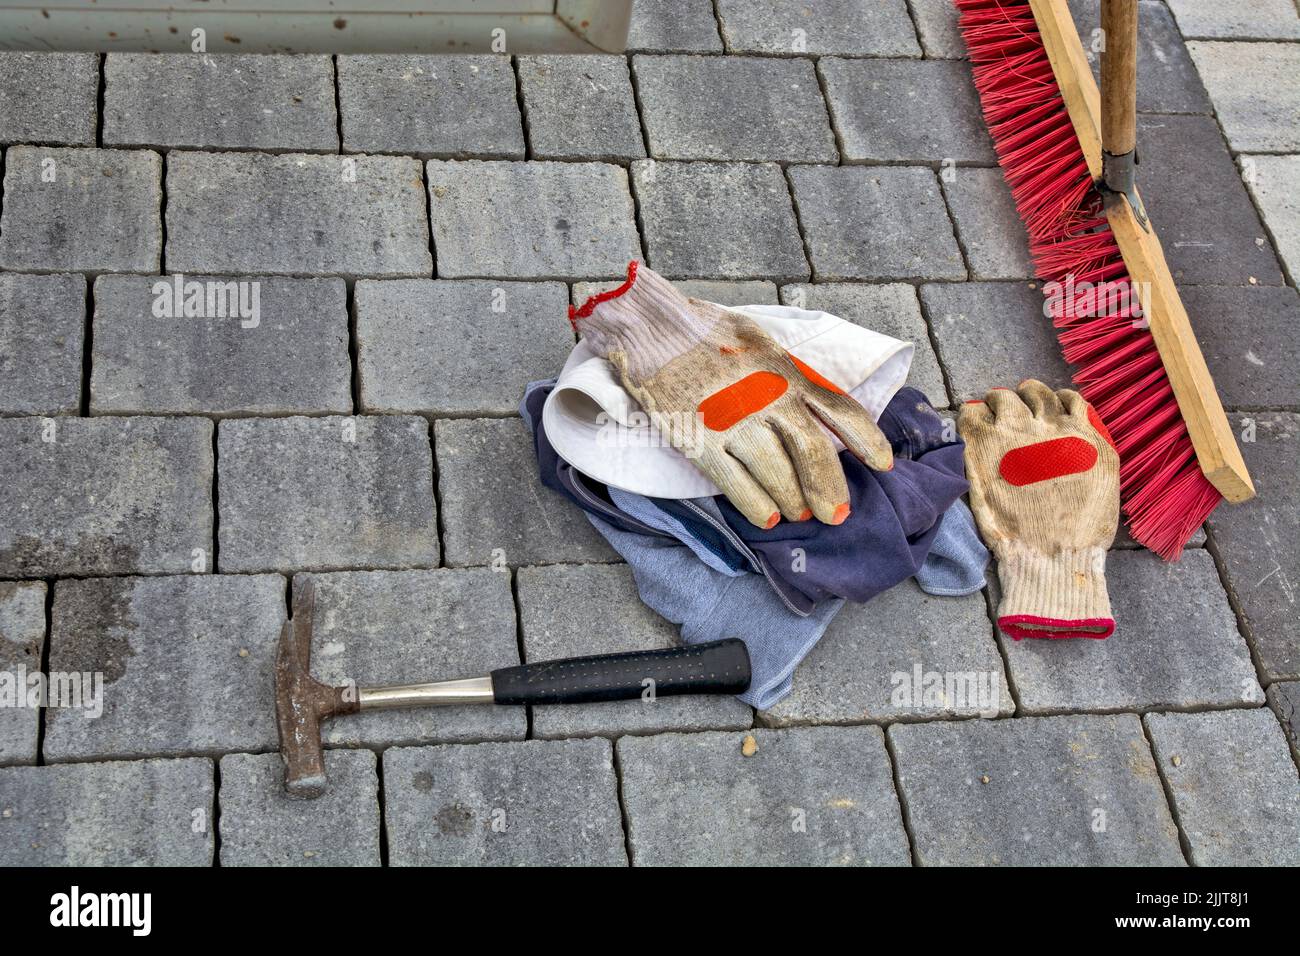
x=1068 y=152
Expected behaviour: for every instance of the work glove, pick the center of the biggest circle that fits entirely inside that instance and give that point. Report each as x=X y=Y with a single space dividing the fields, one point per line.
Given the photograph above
x=726 y=395
x=1044 y=487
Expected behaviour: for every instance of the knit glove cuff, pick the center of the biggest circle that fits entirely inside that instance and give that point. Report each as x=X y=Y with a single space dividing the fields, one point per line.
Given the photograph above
x=1057 y=595
x=645 y=319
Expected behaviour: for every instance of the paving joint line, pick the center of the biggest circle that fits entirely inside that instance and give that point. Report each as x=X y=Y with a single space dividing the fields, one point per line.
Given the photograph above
x=45 y=669
x=216 y=814
x=520 y=646
x=436 y=484
x=1238 y=609
x=904 y=811
x=1184 y=843
x=625 y=817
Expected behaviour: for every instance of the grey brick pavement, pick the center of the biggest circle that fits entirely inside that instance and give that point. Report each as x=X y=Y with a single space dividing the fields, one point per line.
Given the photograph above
x=1284 y=697
x=274 y=103
x=991 y=334
x=296 y=214
x=22 y=643
x=1238 y=20
x=1248 y=337
x=827 y=27
x=1260 y=107
x=495 y=510
x=904 y=656
x=718 y=221
x=1233 y=784
x=705 y=108
x=49 y=98
x=278 y=346
x=875 y=223
x=872 y=106
x=988 y=226
x=531 y=220
x=457 y=347
x=41 y=330
x=325 y=493
x=1270 y=179
x=414 y=228
x=1257 y=542
x=580 y=107
x=91 y=210
x=260 y=826
x=1048 y=790
x=670 y=26
x=184 y=662
x=105 y=496
x=1210 y=231
x=430 y=106
x=501 y=805
x=815 y=797
x=936 y=25
x=122 y=813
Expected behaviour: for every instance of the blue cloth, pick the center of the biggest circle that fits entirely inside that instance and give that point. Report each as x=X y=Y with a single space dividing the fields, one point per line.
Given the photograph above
x=957 y=558
x=896 y=525
x=710 y=604
x=712 y=541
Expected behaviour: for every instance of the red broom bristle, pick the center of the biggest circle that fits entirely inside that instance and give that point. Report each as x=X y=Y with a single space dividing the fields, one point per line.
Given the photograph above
x=1164 y=494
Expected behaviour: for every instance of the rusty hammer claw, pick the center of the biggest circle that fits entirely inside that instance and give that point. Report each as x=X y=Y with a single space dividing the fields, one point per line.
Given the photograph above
x=302 y=702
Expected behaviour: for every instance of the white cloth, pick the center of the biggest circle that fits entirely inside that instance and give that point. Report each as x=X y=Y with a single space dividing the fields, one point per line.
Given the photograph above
x=596 y=426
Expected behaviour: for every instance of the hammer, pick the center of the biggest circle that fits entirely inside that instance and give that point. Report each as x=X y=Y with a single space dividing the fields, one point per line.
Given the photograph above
x=303 y=703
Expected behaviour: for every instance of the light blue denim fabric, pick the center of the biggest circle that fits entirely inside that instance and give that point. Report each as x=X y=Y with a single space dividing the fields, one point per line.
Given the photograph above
x=957 y=558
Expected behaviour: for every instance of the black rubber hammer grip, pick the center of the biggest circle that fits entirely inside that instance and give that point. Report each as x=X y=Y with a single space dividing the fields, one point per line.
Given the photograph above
x=720 y=667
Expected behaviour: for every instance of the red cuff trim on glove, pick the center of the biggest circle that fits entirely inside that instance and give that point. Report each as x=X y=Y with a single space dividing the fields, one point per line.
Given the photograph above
x=1055 y=628
x=581 y=312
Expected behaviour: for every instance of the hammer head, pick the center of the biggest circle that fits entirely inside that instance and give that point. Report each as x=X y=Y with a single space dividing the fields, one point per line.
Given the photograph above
x=302 y=703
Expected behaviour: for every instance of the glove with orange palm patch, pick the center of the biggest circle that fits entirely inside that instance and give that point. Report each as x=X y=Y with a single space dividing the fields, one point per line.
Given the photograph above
x=725 y=394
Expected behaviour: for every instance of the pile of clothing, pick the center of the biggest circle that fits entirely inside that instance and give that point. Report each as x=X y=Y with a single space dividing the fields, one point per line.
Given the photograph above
x=755 y=466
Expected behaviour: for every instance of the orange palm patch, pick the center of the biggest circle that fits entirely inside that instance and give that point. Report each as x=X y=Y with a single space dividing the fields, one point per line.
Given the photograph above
x=741 y=399
x=815 y=376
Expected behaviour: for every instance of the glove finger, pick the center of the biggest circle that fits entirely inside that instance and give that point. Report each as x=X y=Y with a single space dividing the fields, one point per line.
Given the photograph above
x=1082 y=412
x=761 y=452
x=820 y=474
x=1007 y=406
x=973 y=418
x=740 y=487
x=852 y=425
x=1074 y=405
x=1041 y=400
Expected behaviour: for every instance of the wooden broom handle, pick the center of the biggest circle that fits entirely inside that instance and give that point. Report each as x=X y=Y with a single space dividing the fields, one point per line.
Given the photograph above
x=1119 y=25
